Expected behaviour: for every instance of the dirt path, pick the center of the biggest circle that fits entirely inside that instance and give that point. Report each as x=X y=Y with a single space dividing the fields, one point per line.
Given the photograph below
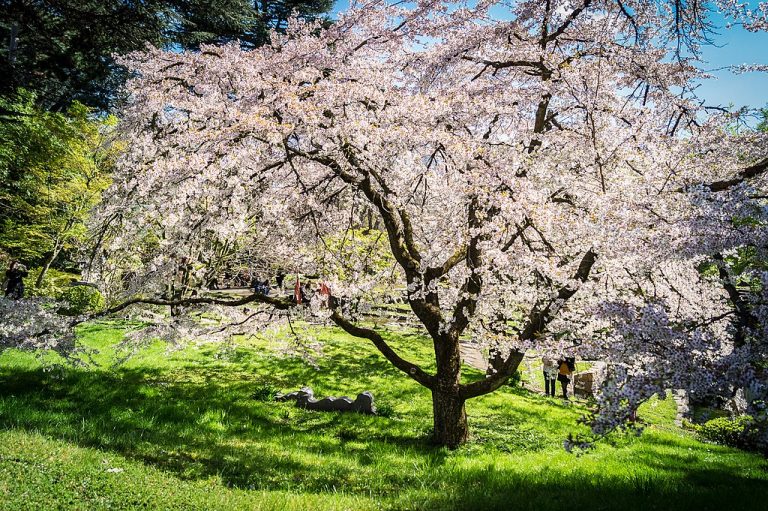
x=472 y=356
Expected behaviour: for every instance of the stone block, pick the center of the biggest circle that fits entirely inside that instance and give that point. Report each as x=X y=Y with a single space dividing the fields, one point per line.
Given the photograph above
x=304 y=392
x=305 y=398
x=584 y=384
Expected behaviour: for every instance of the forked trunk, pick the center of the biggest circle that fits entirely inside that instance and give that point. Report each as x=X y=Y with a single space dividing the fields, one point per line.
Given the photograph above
x=450 y=419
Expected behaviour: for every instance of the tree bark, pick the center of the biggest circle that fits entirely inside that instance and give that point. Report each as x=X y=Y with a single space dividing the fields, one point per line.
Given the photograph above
x=450 y=419
x=448 y=412
x=495 y=380
x=13 y=43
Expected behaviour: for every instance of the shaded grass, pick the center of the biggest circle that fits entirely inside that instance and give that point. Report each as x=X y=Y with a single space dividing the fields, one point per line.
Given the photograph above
x=187 y=433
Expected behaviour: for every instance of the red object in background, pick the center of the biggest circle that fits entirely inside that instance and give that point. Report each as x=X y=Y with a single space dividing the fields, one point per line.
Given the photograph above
x=297 y=291
x=325 y=292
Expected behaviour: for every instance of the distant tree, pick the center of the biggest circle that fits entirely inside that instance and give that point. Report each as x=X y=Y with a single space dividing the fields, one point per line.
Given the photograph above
x=53 y=168
x=62 y=49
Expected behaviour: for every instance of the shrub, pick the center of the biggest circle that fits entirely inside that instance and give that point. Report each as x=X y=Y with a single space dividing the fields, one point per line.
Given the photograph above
x=81 y=300
x=727 y=430
x=264 y=392
x=689 y=426
x=54 y=285
x=516 y=379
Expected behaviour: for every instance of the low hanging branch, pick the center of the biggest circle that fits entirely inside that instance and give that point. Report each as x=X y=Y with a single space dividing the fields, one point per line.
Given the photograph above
x=195 y=300
x=411 y=369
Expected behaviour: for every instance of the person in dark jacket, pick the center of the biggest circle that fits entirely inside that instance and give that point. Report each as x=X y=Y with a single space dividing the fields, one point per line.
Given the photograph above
x=565 y=368
x=15 y=275
x=260 y=287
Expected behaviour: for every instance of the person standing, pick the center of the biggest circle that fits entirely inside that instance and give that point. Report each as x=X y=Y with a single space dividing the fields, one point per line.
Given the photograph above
x=260 y=287
x=564 y=373
x=550 y=375
x=15 y=275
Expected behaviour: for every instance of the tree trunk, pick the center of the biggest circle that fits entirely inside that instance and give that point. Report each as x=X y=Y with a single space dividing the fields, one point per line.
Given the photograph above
x=47 y=265
x=13 y=43
x=449 y=415
x=450 y=419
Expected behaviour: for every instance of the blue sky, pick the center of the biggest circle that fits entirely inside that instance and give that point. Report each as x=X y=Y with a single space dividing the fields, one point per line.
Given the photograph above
x=731 y=47
x=736 y=46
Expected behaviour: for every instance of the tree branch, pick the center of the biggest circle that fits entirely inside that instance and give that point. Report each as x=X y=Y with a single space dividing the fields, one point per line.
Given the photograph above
x=473 y=284
x=538 y=319
x=389 y=214
x=458 y=256
x=747 y=173
x=409 y=368
x=503 y=64
x=399 y=233
x=570 y=19
x=519 y=232
x=197 y=300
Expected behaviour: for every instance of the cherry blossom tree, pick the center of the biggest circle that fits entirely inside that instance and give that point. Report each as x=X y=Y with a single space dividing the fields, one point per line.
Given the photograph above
x=541 y=171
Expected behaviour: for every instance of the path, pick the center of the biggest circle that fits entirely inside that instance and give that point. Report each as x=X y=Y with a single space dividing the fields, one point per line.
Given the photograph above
x=473 y=356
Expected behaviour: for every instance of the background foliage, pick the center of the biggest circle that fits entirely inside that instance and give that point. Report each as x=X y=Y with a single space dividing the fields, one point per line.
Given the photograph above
x=53 y=168
x=62 y=49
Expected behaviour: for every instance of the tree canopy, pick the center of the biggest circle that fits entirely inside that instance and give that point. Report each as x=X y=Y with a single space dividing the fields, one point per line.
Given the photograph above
x=63 y=49
x=542 y=181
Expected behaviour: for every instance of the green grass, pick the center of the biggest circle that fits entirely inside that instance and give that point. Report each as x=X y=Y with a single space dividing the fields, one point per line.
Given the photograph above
x=184 y=431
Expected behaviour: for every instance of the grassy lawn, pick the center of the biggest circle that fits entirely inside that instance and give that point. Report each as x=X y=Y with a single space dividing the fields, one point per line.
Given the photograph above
x=181 y=430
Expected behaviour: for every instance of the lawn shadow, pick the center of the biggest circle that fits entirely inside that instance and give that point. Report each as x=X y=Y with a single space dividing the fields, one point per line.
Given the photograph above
x=702 y=488
x=203 y=428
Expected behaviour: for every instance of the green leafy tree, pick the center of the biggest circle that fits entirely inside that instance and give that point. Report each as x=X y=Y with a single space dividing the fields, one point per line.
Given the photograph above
x=54 y=167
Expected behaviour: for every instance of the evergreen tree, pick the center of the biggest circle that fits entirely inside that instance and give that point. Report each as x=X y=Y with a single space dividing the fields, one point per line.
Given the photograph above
x=62 y=49
x=249 y=21
x=763 y=124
